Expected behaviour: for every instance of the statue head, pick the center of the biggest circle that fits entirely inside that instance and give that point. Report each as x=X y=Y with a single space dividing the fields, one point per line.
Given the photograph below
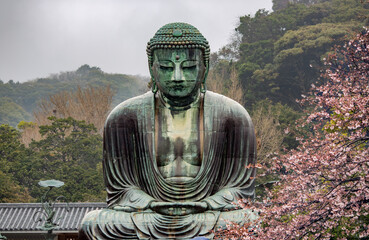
x=178 y=56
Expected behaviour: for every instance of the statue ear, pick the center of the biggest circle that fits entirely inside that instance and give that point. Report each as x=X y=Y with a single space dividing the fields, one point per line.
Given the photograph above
x=154 y=87
x=203 y=83
x=151 y=73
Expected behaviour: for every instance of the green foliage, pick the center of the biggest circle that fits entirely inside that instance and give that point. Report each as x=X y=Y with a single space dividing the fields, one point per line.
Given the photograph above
x=297 y=59
x=10 y=192
x=259 y=53
x=11 y=150
x=71 y=151
x=11 y=113
x=28 y=94
x=340 y=232
x=281 y=52
x=68 y=140
x=279 y=4
x=23 y=125
x=12 y=154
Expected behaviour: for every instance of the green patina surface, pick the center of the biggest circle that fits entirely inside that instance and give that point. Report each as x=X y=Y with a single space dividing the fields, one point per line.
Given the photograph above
x=177 y=36
x=175 y=159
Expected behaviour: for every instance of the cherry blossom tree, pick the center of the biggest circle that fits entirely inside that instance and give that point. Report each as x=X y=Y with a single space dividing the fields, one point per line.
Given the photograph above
x=323 y=190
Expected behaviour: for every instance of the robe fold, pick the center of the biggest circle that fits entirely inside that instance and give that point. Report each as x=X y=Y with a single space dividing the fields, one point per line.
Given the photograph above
x=133 y=179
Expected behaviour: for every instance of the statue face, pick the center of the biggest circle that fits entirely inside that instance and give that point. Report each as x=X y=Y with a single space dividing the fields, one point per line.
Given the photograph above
x=178 y=72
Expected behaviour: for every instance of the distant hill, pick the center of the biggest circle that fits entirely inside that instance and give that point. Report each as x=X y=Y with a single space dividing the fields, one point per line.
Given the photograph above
x=18 y=100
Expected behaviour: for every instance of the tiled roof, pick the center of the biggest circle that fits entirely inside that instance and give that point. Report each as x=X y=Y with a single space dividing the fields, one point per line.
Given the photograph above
x=19 y=216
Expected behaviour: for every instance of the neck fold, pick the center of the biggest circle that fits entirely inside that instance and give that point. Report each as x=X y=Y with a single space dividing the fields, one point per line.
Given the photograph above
x=178 y=104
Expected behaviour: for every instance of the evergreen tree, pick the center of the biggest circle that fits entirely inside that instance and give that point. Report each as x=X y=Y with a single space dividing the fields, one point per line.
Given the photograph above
x=70 y=151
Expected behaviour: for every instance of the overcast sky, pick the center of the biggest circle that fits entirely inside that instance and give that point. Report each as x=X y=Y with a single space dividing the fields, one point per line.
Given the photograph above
x=41 y=37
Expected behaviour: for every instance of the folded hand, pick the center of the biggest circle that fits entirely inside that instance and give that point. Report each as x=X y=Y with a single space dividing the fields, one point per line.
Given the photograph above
x=178 y=208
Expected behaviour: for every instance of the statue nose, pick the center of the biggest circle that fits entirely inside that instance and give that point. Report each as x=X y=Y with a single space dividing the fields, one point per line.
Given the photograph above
x=177 y=76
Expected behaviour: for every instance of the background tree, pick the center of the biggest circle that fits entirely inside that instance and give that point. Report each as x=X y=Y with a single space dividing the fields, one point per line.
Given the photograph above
x=70 y=151
x=29 y=131
x=280 y=51
x=281 y=4
x=90 y=104
x=323 y=191
x=12 y=155
x=269 y=137
x=224 y=80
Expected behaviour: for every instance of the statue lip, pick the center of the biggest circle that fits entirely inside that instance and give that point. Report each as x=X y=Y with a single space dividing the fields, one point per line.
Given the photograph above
x=178 y=86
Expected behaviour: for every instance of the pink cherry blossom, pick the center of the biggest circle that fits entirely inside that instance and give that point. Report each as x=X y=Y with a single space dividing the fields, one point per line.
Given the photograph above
x=323 y=190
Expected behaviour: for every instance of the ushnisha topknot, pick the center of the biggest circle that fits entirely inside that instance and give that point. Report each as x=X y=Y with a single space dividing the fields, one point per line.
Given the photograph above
x=178 y=35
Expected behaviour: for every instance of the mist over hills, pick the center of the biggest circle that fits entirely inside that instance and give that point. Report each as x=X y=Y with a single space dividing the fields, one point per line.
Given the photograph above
x=19 y=100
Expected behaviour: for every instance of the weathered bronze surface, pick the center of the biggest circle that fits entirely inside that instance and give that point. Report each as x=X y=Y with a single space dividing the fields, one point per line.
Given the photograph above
x=176 y=158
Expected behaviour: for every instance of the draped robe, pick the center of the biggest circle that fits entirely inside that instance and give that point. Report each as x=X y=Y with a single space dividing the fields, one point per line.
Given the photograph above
x=133 y=179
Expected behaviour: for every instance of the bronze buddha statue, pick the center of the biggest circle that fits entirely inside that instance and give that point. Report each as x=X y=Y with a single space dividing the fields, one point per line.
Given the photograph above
x=177 y=157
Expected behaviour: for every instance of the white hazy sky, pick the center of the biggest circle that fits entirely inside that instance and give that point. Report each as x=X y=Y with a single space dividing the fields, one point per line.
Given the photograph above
x=40 y=37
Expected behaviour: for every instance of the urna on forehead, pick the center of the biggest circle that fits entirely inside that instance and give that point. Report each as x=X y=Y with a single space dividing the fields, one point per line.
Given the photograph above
x=178 y=36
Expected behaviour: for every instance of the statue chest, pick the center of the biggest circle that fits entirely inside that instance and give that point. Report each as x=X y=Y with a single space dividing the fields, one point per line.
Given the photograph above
x=178 y=153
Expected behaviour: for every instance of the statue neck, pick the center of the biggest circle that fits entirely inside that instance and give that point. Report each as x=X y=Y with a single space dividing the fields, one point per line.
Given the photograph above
x=179 y=104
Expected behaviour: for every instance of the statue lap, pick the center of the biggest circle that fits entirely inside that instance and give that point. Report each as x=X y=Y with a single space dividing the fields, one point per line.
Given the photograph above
x=111 y=224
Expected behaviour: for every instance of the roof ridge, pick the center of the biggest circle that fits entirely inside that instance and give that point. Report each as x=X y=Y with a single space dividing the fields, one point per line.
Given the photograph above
x=72 y=204
x=20 y=216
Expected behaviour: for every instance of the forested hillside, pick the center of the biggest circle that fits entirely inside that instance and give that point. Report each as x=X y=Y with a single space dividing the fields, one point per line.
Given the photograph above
x=19 y=100
x=279 y=54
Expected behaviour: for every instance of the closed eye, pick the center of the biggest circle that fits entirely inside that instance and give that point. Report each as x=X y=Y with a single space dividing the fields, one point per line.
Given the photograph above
x=166 y=65
x=163 y=67
x=190 y=65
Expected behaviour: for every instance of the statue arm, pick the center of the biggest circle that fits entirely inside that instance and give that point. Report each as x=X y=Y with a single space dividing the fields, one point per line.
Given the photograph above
x=225 y=199
x=234 y=153
x=133 y=200
x=123 y=162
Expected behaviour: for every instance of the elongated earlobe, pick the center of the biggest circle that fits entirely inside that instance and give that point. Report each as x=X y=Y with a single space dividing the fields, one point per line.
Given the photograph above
x=203 y=83
x=203 y=87
x=154 y=87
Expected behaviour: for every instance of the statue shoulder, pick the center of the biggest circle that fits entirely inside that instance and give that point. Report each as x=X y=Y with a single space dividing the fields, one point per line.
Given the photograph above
x=226 y=105
x=131 y=106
